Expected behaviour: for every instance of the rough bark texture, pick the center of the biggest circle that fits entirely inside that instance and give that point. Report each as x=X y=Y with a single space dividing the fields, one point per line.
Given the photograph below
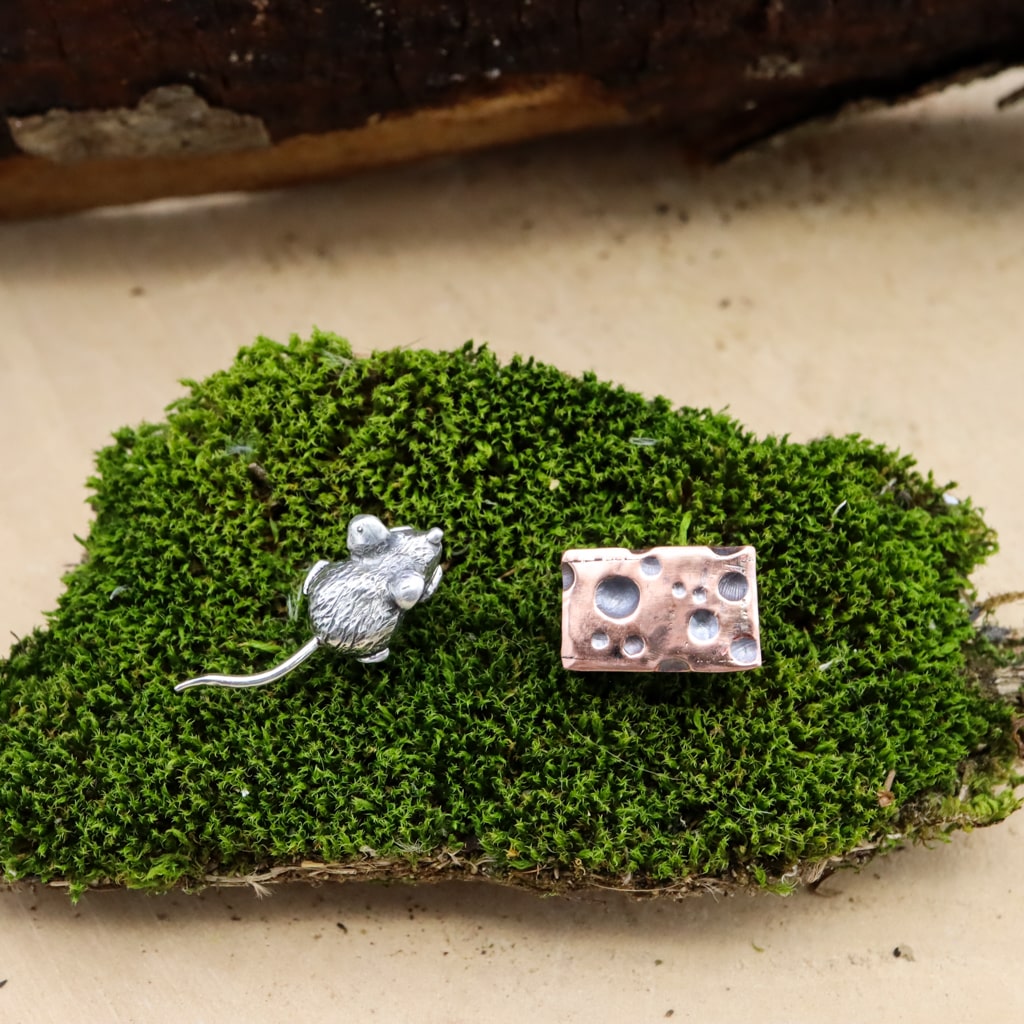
x=81 y=81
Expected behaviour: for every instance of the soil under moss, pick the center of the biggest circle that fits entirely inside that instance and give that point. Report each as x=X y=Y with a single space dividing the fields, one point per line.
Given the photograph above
x=471 y=748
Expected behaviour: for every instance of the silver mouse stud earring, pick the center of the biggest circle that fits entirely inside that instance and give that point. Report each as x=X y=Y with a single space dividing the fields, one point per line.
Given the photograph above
x=356 y=605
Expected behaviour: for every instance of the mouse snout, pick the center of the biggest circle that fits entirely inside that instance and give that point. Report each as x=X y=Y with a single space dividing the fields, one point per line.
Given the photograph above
x=434 y=535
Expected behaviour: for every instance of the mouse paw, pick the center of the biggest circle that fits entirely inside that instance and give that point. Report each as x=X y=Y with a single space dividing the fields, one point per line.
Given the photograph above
x=313 y=573
x=428 y=591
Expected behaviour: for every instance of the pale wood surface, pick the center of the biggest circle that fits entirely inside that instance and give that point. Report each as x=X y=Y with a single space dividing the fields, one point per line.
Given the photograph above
x=865 y=277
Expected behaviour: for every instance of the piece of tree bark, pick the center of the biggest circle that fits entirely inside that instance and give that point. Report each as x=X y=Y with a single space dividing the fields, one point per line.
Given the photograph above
x=105 y=101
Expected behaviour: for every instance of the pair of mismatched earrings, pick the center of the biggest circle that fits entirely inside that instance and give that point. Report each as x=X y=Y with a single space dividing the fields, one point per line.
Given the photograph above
x=666 y=609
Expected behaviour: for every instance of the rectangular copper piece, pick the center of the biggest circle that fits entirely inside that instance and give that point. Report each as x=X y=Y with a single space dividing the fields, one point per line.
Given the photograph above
x=669 y=609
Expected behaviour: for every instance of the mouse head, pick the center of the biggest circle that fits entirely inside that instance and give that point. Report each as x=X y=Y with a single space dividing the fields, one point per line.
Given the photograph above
x=367 y=536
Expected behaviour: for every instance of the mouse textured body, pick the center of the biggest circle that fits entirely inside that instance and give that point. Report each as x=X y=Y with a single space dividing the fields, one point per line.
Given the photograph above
x=357 y=605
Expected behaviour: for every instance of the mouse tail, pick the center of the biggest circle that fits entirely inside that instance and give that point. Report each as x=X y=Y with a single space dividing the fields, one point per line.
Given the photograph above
x=260 y=679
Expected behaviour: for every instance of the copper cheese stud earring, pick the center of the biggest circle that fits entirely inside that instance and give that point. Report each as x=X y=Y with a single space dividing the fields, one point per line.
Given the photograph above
x=670 y=609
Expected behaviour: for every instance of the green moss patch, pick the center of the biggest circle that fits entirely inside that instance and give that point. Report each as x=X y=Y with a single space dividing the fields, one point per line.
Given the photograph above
x=471 y=748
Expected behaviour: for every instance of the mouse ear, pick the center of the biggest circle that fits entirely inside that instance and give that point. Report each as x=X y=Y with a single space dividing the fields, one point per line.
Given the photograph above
x=406 y=589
